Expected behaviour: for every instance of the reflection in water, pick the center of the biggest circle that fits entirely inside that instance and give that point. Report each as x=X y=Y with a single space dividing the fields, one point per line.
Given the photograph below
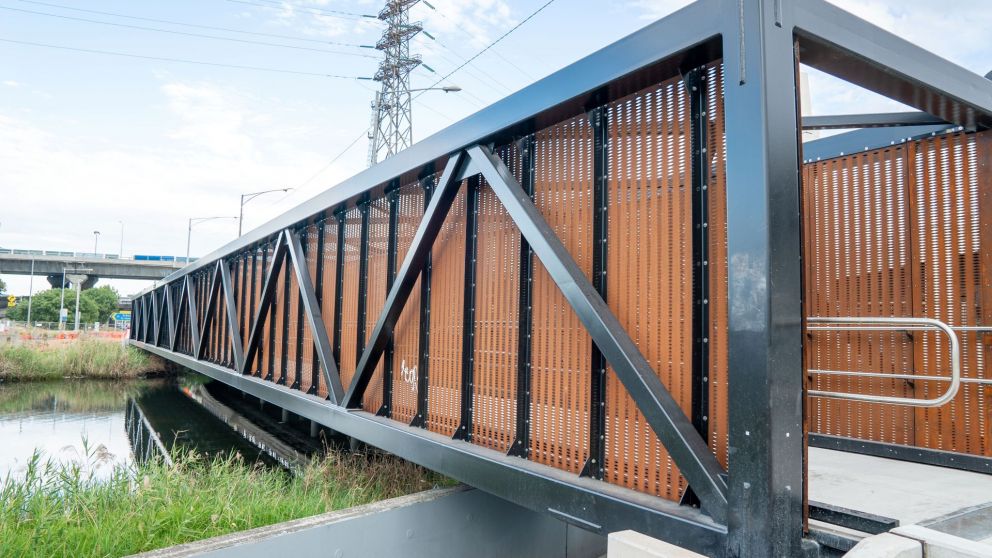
x=55 y=418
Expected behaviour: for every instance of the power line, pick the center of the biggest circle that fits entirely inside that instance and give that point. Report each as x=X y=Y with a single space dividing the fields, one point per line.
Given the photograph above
x=195 y=25
x=466 y=33
x=492 y=44
x=184 y=61
x=275 y=4
x=185 y=33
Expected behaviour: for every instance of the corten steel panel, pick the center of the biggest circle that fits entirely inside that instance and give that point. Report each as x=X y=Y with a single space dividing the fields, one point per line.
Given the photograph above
x=649 y=269
x=447 y=297
x=561 y=368
x=309 y=241
x=948 y=183
x=279 y=324
x=261 y=268
x=902 y=231
x=858 y=239
x=375 y=294
x=496 y=322
x=406 y=335
x=349 y=309
x=719 y=438
x=329 y=287
x=291 y=372
x=265 y=344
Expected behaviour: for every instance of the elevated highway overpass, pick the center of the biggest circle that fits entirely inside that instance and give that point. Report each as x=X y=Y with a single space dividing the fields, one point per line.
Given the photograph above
x=108 y=266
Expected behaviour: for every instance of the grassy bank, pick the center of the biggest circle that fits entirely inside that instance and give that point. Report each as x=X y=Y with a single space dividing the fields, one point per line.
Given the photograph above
x=59 y=510
x=80 y=358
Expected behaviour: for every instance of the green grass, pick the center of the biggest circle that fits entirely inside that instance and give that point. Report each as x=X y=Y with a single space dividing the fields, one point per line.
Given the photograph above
x=62 y=510
x=83 y=358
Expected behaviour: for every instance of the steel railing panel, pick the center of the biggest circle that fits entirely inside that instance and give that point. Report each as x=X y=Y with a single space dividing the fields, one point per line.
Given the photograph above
x=351 y=266
x=376 y=283
x=561 y=362
x=898 y=231
x=649 y=266
x=406 y=336
x=496 y=321
x=948 y=189
x=329 y=285
x=447 y=293
x=858 y=203
x=719 y=437
x=307 y=378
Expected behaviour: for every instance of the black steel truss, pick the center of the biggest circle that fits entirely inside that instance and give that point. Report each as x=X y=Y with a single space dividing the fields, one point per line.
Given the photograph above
x=756 y=505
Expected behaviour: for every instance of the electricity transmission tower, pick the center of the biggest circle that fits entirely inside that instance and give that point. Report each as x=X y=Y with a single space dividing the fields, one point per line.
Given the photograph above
x=392 y=121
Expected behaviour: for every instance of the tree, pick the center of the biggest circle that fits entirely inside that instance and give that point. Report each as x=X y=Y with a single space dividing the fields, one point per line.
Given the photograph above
x=106 y=299
x=3 y=287
x=45 y=307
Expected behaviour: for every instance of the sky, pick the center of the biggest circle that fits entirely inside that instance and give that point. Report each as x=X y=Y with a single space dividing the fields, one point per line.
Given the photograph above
x=94 y=141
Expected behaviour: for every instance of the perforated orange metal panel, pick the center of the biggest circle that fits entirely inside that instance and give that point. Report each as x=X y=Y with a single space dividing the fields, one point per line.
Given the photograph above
x=649 y=270
x=857 y=264
x=561 y=362
x=309 y=240
x=279 y=325
x=947 y=191
x=447 y=293
x=329 y=283
x=496 y=324
x=901 y=231
x=349 y=306
x=376 y=276
x=406 y=335
x=716 y=145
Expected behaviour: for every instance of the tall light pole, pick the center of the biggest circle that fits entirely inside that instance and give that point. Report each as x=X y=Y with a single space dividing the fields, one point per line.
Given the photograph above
x=120 y=253
x=189 y=230
x=96 y=239
x=245 y=198
x=30 y=292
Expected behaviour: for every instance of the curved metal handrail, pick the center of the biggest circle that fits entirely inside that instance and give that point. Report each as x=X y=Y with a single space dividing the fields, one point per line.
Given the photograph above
x=894 y=324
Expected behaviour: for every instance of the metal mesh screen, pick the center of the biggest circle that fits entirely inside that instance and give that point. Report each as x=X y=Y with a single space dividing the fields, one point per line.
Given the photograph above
x=496 y=324
x=561 y=364
x=375 y=297
x=406 y=336
x=445 y=348
x=899 y=231
x=351 y=266
x=650 y=272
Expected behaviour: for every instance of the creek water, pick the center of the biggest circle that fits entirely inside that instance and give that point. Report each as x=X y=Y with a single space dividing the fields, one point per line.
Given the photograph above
x=87 y=422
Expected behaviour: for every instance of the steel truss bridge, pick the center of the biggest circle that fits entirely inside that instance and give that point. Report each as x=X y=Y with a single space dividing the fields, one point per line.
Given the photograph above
x=606 y=297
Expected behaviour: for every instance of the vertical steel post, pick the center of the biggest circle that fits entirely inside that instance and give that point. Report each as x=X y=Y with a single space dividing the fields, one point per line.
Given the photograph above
x=243 y=291
x=339 y=283
x=694 y=81
x=319 y=292
x=424 y=337
x=597 y=404
x=363 y=276
x=251 y=298
x=298 y=366
x=284 y=349
x=272 y=317
x=521 y=440
x=387 y=365
x=765 y=295
x=464 y=431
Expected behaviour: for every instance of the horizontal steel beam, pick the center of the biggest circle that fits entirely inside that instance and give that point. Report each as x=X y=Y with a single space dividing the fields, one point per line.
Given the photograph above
x=589 y=504
x=841 y=44
x=913 y=454
x=876 y=120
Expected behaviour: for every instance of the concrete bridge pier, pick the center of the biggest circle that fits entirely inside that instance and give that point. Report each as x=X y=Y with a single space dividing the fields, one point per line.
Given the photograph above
x=87 y=283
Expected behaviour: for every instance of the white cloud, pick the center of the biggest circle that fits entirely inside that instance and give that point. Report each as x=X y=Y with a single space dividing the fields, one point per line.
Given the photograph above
x=12 y=83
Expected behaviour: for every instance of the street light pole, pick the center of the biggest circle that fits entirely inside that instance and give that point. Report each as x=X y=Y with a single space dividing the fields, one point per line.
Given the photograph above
x=30 y=292
x=189 y=229
x=247 y=197
x=120 y=253
x=96 y=238
x=61 y=299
